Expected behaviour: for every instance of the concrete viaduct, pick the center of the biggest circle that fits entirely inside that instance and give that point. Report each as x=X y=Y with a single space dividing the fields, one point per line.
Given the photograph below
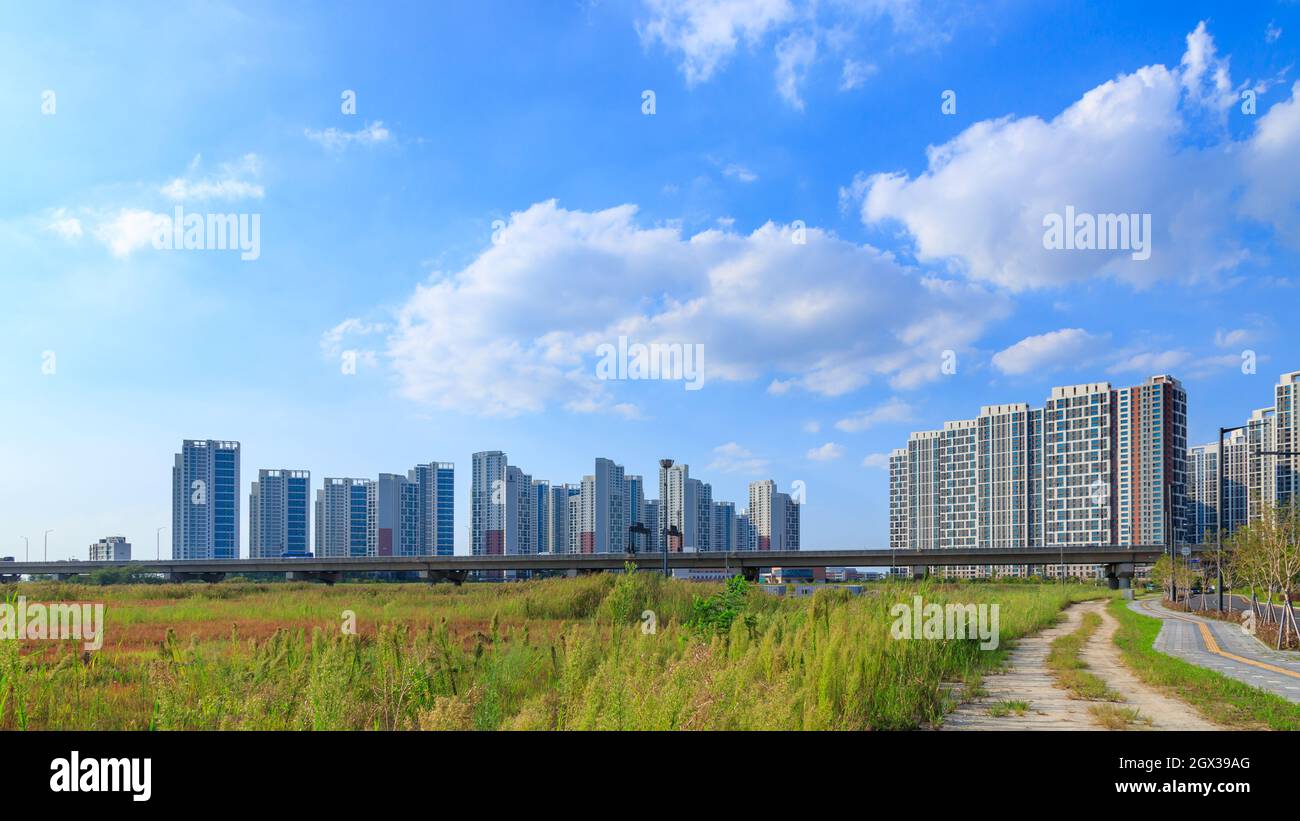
x=1118 y=560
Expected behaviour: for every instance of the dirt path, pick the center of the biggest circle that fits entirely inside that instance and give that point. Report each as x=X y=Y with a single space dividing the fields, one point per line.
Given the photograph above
x=1027 y=679
x=1165 y=712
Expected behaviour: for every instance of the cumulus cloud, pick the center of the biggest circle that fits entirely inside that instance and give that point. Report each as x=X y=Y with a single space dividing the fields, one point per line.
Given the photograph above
x=826 y=453
x=1048 y=352
x=733 y=458
x=895 y=410
x=1148 y=142
x=518 y=328
x=332 y=139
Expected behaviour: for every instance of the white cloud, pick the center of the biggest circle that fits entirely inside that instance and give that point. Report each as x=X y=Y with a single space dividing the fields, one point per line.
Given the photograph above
x=130 y=229
x=854 y=74
x=1049 y=351
x=233 y=181
x=333 y=341
x=794 y=56
x=67 y=227
x=895 y=410
x=335 y=140
x=1233 y=338
x=706 y=32
x=738 y=172
x=732 y=458
x=517 y=329
x=1272 y=32
x=1150 y=362
x=826 y=453
x=876 y=460
x=1155 y=144
x=812 y=426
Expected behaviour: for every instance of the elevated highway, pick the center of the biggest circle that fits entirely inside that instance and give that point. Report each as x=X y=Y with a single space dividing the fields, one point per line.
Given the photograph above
x=1119 y=559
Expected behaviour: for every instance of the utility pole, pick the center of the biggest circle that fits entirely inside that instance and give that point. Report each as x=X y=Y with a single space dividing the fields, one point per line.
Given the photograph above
x=1218 y=513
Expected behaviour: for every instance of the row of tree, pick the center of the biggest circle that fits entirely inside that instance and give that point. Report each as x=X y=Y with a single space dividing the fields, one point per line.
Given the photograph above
x=1262 y=557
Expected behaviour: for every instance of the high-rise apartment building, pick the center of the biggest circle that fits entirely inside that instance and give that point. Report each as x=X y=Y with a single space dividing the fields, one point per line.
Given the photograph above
x=774 y=517
x=347 y=517
x=655 y=540
x=1257 y=466
x=519 y=516
x=397 y=515
x=1286 y=437
x=723 y=522
x=1096 y=465
x=435 y=484
x=279 y=505
x=1208 y=466
x=541 y=515
x=699 y=496
x=603 y=523
x=745 y=537
x=205 y=500
x=556 y=526
x=488 y=503
x=673 y=504
x=898 y=538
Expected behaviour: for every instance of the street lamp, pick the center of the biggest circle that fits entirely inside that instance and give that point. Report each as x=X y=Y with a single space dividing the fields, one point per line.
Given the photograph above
x=157 y=542
x=47 y=543
x=27 y=554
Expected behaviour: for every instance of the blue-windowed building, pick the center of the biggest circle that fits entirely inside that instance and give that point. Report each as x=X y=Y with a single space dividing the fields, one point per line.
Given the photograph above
x=205 y=500
x=278 y=518
x=435 y=492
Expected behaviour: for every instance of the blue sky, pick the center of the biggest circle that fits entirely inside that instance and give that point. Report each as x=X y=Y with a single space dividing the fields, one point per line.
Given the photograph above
x=922 y=234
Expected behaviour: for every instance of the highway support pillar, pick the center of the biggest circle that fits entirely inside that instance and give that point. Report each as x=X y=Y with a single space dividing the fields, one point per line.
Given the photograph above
x=1119 y=576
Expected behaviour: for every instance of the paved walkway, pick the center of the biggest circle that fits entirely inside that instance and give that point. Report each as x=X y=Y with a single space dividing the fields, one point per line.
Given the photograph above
x=1223 y=647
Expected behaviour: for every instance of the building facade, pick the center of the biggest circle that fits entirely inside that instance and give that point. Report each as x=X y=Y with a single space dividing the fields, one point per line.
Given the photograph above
x=1096 y=465
x=279 y=505
x=111 y=549
x=347 y=518
x=205 y=500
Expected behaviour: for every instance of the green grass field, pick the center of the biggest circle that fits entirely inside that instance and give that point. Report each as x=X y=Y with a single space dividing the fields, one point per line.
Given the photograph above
x=550 y=654
x=1217 y=697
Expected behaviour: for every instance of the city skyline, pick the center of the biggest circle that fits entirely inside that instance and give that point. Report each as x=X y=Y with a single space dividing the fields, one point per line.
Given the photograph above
x=802 y=210
x=1253 y=480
